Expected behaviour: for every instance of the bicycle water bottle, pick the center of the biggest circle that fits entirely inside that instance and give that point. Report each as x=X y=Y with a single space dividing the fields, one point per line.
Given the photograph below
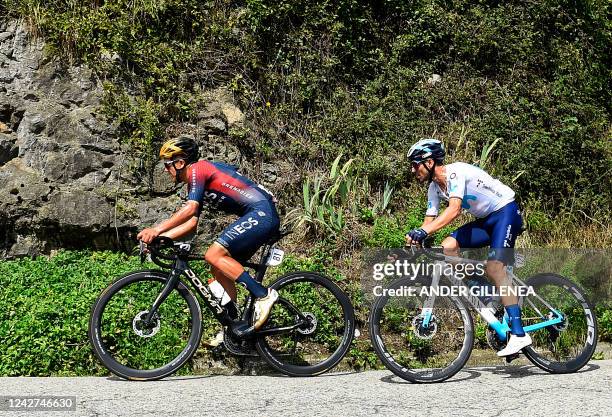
x=218 y=291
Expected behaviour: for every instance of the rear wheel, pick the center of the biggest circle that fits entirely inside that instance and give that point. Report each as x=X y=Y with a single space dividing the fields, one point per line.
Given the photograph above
x=565 y=347
x=328 y=325
x=135 y=349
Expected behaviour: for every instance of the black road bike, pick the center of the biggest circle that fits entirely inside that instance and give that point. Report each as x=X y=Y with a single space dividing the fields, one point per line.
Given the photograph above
x=147 y=324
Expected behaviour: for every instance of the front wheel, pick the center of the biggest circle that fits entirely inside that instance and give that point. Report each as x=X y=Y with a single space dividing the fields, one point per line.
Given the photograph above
x=411 y=347
x=567 y=346
x=327 y=325
x=133 y=348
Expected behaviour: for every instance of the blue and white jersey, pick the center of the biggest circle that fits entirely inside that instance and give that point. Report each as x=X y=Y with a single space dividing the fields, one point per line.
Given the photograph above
x=481 y=194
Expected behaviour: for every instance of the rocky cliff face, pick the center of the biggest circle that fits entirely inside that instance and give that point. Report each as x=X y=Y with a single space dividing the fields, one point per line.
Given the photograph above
x=64 y=177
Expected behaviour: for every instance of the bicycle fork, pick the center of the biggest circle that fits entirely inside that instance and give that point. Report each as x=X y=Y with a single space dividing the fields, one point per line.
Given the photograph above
x=170 y=285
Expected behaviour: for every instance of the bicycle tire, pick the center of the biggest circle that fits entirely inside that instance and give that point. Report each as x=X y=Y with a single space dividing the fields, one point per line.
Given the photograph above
x=581 y=319
x=316 y=296
x=407 y=351
x=106 y=332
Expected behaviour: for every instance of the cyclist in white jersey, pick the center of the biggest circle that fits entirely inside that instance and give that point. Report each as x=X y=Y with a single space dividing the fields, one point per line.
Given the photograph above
x=481 y=194
x=498 y=221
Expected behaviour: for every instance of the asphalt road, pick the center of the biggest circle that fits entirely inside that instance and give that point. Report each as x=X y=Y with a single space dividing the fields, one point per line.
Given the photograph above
x=481 y=391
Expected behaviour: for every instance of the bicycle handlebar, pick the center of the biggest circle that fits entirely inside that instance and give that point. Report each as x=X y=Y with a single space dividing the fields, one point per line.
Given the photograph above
x=156 y=247
x=426 y=249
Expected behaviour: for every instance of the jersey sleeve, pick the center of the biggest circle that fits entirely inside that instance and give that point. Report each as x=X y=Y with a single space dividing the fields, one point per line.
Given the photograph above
x=197 y=185
x=456 y=183
x=433 y=201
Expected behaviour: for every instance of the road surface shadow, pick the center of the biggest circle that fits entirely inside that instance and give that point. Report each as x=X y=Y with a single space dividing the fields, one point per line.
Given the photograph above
x=522 y=371
x=394 y=379
x=331 y=374
x=167 y=379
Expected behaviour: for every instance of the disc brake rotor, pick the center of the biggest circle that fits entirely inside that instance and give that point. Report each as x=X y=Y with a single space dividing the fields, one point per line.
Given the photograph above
x=424 y=332
x=143 y=329
x=311 y=325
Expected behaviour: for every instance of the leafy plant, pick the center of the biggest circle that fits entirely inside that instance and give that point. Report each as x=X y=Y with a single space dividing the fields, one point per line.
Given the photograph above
x=329 y=200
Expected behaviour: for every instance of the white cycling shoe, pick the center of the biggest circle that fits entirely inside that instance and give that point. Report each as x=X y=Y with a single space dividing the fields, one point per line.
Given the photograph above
x=515 y=344
x=263 y=306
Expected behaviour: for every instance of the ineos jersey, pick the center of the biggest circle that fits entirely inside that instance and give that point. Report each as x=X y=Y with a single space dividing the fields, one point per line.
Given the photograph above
x=222 y=187
x=481 y=193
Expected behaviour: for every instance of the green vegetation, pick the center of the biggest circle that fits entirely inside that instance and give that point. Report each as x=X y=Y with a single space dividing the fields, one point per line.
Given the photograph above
x=524 y=87
x=44 y=310
x=521 y=88
x=45 y=305
x=327 y=207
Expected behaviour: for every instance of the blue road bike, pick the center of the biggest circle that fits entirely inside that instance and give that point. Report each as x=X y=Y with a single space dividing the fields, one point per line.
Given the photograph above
x=423 y=336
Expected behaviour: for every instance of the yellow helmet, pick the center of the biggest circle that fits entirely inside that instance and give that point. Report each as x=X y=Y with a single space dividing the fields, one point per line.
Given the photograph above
x=181 y=146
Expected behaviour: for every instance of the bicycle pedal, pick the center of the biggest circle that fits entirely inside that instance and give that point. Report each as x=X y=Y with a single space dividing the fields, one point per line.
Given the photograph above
x=512 y=357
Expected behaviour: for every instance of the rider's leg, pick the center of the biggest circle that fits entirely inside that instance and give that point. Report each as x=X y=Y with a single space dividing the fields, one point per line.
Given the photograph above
x=239 y=241
x=219 y=257
x=470 y=235
x=227 y=283
x=212 y=256
x=496 y=271
x=450 y=246
x=504 y=226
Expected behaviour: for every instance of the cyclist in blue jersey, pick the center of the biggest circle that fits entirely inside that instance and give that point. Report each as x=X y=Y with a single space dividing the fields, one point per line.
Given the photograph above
x=498 y=221
x=222 y=187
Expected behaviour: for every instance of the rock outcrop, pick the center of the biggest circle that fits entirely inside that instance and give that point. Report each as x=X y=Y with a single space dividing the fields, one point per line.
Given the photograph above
x=65 y=180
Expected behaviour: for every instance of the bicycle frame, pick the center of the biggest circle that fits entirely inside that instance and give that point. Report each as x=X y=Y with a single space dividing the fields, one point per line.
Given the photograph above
x=181 y=266
x=502 y=328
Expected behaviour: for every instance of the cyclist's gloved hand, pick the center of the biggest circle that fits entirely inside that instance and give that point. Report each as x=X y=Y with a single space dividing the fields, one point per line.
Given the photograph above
x=417 y=235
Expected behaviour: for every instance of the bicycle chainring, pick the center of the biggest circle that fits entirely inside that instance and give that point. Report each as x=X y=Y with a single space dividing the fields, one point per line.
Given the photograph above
x=237 y=346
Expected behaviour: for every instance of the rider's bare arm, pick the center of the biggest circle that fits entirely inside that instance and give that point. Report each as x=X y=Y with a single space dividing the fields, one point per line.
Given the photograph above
x=181 y=230
x=451 y=213
x=427 y=220
x=183 y=215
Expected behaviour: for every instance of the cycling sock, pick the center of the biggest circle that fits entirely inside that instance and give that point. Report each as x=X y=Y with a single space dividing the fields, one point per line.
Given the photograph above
x=514 y=316
x=253 y=286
